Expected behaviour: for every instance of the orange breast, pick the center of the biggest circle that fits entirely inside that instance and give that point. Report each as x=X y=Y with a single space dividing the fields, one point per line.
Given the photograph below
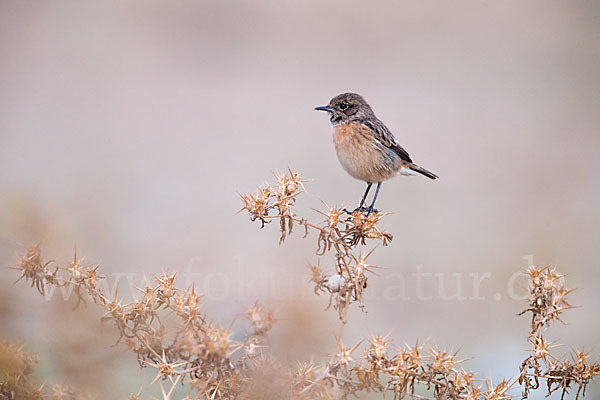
x=360 y=154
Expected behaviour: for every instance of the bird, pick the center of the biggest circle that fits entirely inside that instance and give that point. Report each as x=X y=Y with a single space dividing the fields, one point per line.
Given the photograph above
x=365 y=147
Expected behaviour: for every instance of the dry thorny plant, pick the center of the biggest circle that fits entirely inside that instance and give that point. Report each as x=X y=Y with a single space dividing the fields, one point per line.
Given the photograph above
x=200 y=359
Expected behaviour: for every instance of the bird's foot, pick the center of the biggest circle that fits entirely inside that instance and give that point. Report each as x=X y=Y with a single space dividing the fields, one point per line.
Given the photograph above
x=371 y=210
x=368 y=210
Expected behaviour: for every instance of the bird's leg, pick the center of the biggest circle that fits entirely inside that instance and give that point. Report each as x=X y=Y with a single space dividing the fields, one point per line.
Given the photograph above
x=371 y=209
x=362 y=202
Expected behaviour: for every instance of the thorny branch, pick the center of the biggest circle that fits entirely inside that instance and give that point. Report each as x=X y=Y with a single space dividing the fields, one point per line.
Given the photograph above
x=196 y=351
x=201 y=359
x=338 y=233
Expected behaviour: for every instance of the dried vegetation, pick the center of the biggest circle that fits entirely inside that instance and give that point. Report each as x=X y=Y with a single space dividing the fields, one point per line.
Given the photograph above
x=198 y=359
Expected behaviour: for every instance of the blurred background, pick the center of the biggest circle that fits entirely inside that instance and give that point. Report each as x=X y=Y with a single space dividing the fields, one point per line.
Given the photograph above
x=128 y=129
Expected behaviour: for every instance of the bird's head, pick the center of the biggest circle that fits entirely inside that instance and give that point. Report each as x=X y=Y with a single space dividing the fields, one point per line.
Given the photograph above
x=347 y=107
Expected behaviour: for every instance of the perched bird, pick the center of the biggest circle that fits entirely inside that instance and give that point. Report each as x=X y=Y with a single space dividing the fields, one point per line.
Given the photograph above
x=365 y=146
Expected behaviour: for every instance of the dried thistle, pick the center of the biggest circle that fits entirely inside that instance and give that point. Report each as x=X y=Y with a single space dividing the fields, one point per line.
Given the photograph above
x=204 y=356
x=338 y=233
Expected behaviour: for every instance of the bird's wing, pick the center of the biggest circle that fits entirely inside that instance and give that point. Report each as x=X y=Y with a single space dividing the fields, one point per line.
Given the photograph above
x=385 y=137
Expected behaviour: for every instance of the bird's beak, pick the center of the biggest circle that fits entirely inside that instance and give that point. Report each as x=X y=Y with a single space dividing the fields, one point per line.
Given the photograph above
x=324 y=108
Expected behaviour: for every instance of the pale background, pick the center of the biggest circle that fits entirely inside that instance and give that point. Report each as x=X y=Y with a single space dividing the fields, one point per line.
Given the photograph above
x=128 y=128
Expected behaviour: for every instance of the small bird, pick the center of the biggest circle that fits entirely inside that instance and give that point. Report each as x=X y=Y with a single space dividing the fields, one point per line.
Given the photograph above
x=365 y=146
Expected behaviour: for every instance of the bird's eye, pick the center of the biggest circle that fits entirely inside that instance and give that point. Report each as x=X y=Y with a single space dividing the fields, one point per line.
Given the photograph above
x=343 y=106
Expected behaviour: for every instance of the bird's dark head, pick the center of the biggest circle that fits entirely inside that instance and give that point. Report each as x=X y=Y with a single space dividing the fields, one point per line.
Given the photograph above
x=347 y=107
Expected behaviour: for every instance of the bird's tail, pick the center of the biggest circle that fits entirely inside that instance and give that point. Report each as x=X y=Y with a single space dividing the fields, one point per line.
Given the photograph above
x=423 y=171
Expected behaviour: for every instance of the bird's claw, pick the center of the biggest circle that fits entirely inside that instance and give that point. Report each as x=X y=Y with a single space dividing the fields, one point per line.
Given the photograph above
x=368 y=210
x=371 y=210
